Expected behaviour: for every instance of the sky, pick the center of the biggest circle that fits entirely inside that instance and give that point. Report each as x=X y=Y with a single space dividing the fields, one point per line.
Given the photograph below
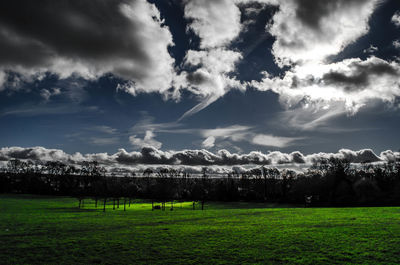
x=196 y=82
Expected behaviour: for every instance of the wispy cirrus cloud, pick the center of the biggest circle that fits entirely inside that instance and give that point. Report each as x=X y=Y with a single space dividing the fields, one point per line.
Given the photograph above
x=210 y=136
x=273 y=141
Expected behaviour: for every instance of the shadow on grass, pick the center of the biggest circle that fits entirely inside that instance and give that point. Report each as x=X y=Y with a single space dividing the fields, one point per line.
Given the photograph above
x=72 y=209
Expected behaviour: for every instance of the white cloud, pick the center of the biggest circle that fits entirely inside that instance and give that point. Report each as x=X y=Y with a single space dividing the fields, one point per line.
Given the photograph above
x=238 y=133
x=216 y=22
x=211 y=80
x=352 y=81
x=274 y=141
x=312 y=30
x=396 y=44
x=46 y=93
x=3 y=77
x=153 y=156
x=147 y=141
x=209 y=142
x=311 y=116
x=307 y=33
x=371 y=49
x=235 y=133
x=396 y=18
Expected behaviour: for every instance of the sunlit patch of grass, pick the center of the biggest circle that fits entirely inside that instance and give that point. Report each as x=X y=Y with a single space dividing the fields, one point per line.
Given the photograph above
x=52 y=230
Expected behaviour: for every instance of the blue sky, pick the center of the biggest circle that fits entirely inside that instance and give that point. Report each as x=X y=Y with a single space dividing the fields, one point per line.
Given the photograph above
x=239 y=75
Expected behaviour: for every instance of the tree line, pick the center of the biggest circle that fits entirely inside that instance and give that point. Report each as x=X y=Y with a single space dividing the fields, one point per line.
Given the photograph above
x=329 y=182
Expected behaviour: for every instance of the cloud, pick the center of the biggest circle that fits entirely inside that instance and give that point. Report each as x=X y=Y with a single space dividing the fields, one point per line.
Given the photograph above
x=123 y=37
x=311 y=117
x=364 y=155
x=104 y=129
x=30 y=111
x=147 y=141
x=235 y=133
x=308 y=34
x=208 y=142
x=371 y=49
x=129 y=39
x=275 y=141
x=396 y=19
x=396 y=44
x=307 y=30
x=104 y=140
x=352 y=81
x=154 y=156
x=211 y=79
x=46 y=94
x=33 y=153
x=213 y=137
x=390 y=156
x=216 y=22
x=3 y=78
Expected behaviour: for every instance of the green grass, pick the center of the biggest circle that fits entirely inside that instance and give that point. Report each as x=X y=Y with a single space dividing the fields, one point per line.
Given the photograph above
x=52 y=230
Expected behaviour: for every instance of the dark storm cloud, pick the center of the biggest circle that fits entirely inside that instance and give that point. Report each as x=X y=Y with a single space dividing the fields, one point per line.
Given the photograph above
x=88 y=38
x=91 y=29
x=153 y=156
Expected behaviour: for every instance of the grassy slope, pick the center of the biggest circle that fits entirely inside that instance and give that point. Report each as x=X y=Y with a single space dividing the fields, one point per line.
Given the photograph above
x=44 y=230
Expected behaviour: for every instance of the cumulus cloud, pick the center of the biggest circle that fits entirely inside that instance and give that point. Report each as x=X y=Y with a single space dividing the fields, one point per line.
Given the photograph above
x=307 y=34
x=90 y=38
x=353 y=81
x=33 y=153
x=147 y=141
x=47 y=93
x=307 y=30
x=129 y=39
x=396 y=18
x=216 y=22
x=210 y=80
x=154 y=156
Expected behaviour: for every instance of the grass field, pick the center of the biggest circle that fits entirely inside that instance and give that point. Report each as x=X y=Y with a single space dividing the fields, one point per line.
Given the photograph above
x=48 y=230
